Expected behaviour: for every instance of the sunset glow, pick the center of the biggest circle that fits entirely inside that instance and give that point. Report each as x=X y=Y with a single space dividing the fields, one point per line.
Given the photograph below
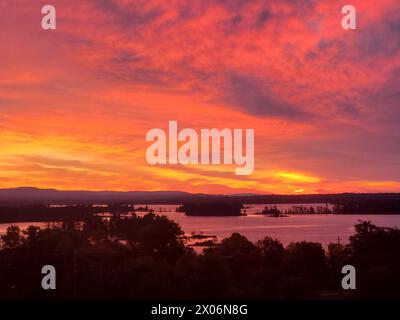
x=76 y=102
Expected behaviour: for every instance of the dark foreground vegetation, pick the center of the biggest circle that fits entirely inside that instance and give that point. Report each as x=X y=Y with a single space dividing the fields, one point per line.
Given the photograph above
x=146 y=258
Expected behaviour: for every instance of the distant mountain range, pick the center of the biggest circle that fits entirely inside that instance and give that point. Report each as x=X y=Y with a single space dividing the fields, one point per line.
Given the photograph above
x=30 y=195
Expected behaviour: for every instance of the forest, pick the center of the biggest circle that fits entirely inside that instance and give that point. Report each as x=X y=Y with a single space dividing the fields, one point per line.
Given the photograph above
x=146 y=257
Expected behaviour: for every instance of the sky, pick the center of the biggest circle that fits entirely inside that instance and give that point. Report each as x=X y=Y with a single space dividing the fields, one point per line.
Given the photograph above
x=76 y=102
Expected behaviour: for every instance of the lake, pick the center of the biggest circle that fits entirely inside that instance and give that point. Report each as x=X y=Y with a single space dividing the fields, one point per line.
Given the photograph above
x=319 y=227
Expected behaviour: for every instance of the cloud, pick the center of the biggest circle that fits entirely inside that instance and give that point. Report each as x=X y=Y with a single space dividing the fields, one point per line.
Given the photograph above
x=380 y=38
x=254 y=96
x=129 y=15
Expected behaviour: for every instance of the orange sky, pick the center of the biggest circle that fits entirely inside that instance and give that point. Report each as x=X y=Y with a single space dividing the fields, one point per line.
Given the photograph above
x=76 y=103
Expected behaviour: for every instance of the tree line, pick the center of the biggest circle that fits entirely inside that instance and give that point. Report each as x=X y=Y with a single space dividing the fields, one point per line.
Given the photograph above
x=145 y=257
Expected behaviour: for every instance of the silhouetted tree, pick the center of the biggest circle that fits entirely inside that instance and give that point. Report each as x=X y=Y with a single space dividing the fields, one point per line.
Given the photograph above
x=272 y=250
x=12 y=238
x=375 y=254
x=307 y=260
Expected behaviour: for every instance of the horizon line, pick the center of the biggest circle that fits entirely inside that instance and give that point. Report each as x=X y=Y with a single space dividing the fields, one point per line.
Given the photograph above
x=198 y=193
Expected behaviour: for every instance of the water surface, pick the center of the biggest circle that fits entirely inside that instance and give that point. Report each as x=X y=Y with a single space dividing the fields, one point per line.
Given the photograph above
x=318 y=227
